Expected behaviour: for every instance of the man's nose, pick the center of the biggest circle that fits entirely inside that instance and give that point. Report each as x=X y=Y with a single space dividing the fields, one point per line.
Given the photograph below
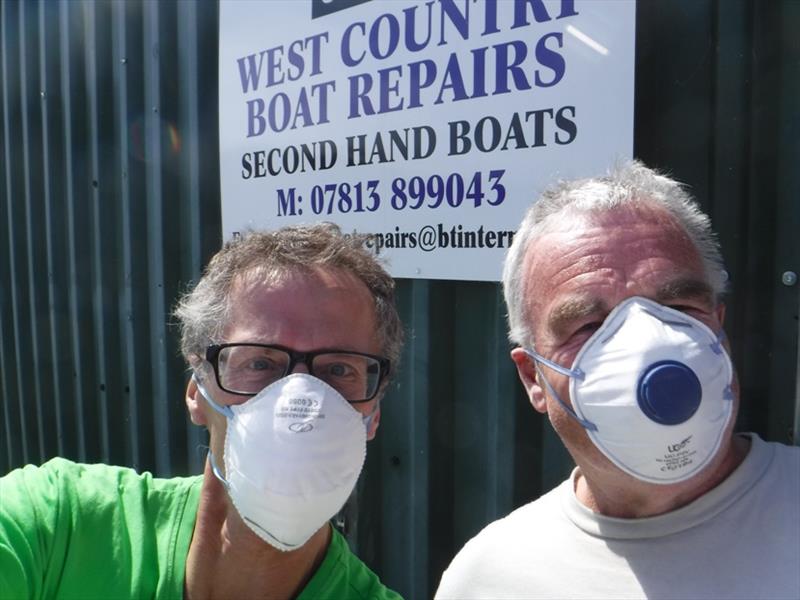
x=300 y=367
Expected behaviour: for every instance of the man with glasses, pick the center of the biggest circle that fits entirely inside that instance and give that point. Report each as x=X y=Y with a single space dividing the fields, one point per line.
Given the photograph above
x=290 y=337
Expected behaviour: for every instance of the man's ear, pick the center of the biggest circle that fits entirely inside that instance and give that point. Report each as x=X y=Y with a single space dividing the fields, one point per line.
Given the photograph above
x=720 y=310
x=373 y=426
x=195 y=403
x=530 y=379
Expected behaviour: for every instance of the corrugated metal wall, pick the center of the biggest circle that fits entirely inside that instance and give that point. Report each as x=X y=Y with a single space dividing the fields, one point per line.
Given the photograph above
x=109 y=206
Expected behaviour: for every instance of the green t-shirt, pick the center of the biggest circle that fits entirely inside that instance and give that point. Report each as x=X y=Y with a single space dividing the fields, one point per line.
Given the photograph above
x=69 y=530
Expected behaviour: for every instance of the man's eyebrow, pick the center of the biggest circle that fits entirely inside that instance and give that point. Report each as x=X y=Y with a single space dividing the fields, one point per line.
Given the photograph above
x=686 y=287
x=563 y=315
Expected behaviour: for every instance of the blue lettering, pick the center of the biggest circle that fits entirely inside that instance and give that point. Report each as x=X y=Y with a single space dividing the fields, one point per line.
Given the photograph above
x=255 y=122
x=303 y=110
x=458 y=19
x=360 y=85
x=479 y=72
x=503 y=67
x=274 y=65
x=386 y=87
x=274 y=123
x=296 y=60
x=322 y=88
x=567 y=9
x=315 y=51
x=411 y=28
x=550 y=58
x=490 y=17
x=452 y=80
x=347 y=57
x=417 y=82
x=248 y=72
x=540 y=13
x=393 y=36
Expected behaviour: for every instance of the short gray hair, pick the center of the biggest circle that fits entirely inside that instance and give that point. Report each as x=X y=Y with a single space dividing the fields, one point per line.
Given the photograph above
x=629 y=183
x=202 y=312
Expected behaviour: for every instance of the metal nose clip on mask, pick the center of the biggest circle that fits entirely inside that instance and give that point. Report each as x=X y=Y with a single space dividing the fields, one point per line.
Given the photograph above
x=652 y=388
x=292 y=456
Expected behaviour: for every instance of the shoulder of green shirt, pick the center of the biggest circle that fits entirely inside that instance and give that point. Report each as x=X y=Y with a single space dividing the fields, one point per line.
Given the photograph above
x=70 y=508
x=343 y=576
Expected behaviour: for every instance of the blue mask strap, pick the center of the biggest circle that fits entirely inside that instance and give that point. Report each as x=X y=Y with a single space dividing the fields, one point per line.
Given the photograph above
x=225 y=411
x=576 y=374
x=716 y=347
x=215 y=469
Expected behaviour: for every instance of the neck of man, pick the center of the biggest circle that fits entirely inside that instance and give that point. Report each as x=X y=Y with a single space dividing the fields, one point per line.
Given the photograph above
x=227 y=560
x=610 y=492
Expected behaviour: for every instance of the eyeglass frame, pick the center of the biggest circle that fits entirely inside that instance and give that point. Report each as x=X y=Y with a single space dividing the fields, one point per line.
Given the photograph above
x=295 y=358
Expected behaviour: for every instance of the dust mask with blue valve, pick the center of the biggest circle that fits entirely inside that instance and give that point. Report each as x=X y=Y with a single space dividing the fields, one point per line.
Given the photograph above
x=292 y=456
x=652 y=388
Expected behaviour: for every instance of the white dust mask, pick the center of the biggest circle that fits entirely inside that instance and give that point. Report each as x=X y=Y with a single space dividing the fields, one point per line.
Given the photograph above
x=293 y=454
x=652 y=388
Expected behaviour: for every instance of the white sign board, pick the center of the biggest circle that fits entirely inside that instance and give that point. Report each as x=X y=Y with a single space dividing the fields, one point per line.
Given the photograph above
x=431 y=126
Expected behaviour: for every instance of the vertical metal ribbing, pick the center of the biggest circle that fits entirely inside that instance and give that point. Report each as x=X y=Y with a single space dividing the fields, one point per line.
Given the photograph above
x=75 y=291
x=125 y=302
x=14 y=262
x=787 y=246
x=96 y=229
x=10 y=461
x=189 y=126
x=55 y=391
x=5 y=249
x=499 y=398
x=32 y=382
x=418 y=575
x=155 y=239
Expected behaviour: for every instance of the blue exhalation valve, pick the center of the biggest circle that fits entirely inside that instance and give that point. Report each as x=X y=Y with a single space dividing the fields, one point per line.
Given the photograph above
x=669 y=392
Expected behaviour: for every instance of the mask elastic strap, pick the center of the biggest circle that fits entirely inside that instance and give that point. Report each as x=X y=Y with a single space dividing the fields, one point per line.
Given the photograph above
x=216 y=471
x=576 y=374
x=716 y=347
x=225 y=411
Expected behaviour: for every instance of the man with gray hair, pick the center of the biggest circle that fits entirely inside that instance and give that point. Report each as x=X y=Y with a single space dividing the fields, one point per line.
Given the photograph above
x=290 y=337
x=614 y=287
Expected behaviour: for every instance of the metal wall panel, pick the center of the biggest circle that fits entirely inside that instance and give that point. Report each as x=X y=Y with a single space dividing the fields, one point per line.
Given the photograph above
x=109 y=206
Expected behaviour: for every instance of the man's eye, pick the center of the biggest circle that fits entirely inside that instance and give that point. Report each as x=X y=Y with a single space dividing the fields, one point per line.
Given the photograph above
x=588 y=328
x=339 y=370
x=686 y=308
x=680 y=307
x=261 y=365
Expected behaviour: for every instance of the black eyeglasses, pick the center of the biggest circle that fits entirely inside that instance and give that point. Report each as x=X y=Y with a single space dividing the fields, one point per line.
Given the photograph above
x=246 y=369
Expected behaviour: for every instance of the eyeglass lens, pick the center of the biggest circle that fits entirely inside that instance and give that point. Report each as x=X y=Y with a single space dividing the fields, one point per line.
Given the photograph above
x=249 y=369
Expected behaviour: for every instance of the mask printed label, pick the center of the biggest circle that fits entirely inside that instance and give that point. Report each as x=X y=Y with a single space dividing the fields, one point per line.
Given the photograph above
x=300 y=408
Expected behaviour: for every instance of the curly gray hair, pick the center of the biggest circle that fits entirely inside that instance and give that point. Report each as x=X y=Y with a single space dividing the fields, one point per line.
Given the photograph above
x=202 y=312
x=628 y=183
